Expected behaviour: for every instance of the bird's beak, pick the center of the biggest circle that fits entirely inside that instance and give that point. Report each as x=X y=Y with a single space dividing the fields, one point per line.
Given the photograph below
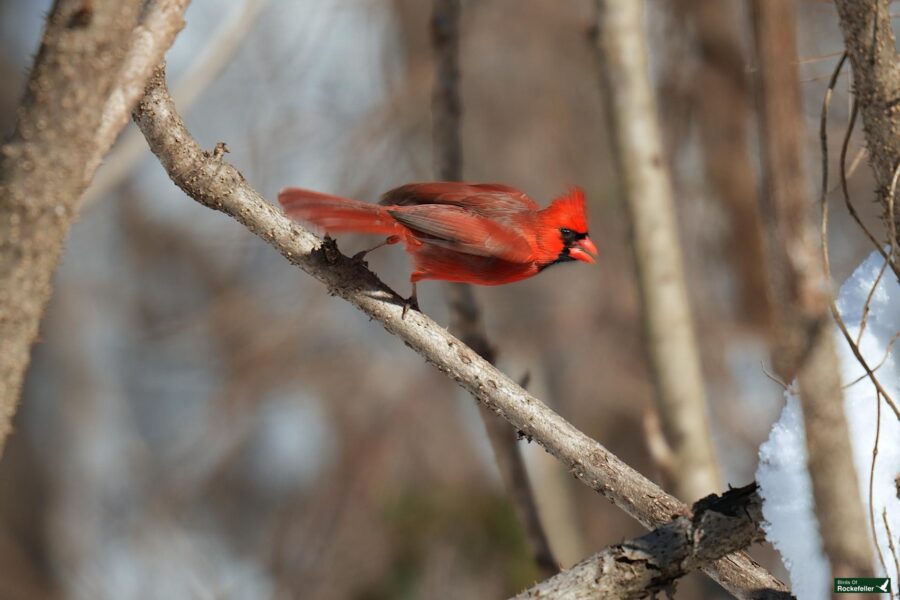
x=582 y=250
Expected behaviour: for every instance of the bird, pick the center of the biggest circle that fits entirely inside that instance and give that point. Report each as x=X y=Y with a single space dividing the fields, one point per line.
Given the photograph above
x=479 y=233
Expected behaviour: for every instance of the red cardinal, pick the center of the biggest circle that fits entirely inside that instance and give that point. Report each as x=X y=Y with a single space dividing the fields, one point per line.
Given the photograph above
x=487 y=234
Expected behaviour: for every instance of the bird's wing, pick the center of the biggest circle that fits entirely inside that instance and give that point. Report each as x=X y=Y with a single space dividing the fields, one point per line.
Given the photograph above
x=488 y=199
x=461 y=230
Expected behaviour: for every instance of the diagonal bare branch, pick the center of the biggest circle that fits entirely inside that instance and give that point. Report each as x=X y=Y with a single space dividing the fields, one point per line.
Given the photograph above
x=211 y=181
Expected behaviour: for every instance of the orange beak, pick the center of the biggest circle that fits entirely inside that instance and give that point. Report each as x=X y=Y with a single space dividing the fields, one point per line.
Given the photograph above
x=582 y=250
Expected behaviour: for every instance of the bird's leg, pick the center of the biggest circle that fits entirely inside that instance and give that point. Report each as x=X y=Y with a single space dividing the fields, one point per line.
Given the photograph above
x=411 y=302
x=393 y=239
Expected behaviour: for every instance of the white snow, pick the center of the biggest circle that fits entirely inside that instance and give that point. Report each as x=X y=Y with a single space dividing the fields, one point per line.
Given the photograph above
x=782 y=476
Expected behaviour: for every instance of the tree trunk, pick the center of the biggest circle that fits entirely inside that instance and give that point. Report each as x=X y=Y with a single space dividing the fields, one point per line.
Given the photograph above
x=668 y=325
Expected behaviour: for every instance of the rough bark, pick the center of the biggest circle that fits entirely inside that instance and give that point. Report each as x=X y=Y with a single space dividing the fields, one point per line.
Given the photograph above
x=653 y=563
x=44 y=166
x=871 y=47
x=465 y=315
x=804 y=341
x=209 y=180
x=668 y=325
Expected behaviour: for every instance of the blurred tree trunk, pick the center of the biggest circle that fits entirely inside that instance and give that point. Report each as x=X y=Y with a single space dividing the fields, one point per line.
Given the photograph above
x=668 y=325
x=465 y=316
x=803 y=345
x=43 y=164
x=94 y=59
x=721 y=94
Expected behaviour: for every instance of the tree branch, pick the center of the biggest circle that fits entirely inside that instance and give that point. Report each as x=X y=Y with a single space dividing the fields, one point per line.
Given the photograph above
x=217 y=54
x=652 y=564
x=159 y=25
x=84 y=81
x=209 y=180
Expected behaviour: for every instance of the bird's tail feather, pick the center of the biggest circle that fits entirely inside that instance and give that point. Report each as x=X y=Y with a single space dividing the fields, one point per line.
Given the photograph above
x=335 y=214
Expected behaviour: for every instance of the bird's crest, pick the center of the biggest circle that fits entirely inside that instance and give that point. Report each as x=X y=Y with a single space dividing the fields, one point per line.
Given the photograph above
x=569 y=209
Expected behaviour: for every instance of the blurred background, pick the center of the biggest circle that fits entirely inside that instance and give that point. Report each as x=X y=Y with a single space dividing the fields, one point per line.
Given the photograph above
x=202 y=420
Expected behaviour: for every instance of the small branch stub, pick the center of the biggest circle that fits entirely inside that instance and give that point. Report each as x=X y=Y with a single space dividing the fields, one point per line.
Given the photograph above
x=653 y=563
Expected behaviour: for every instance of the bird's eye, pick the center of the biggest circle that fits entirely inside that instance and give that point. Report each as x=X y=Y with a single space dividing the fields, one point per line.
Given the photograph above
x=568 y=235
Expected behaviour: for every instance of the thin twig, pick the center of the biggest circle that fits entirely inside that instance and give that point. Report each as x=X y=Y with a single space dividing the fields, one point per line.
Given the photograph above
x=787 y=387
x=218 y=185
x=823 y=121
x=893 y=253
x=890 y=537
x=872 y=482
x=869 y=40
x=880 y=364
x=854 y=164
x=821 y=57
x=845 y=190
x=863 y=321
x=892 y=223
x=823 y=201
x=859 y=357
x=803 y=61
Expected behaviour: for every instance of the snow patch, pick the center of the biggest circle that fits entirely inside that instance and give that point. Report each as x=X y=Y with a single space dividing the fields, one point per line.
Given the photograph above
x=785 y=484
